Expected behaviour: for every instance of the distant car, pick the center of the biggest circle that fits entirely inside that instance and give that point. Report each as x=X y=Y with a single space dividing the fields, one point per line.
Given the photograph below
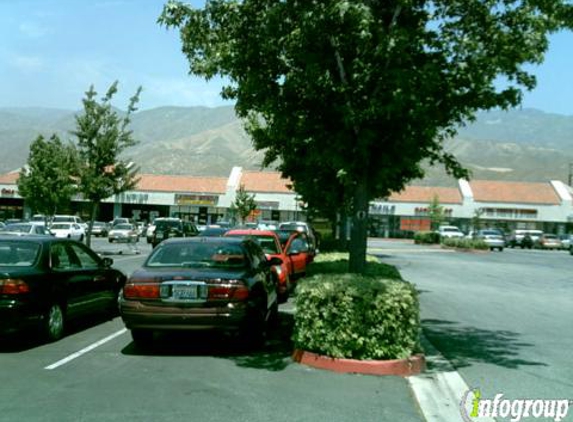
x=565 y=241
x=302 y=227
x=20 y=229
x=548 y=241
x=69 y=219
x=123 y=233
x=450 y=232
x=46 y=281
x=166 y=228
x=200 y=283
x=119 y=220
x=524 y=238
x=213 y=231
x=68 y=230
x=491 y=237
x=100 y=229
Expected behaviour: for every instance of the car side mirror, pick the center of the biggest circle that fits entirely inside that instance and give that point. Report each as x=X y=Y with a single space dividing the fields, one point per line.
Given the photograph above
x=107 y=262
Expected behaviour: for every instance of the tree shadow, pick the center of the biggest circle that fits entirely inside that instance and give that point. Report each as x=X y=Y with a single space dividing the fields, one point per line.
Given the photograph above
x=274 y=355
x=463 y=345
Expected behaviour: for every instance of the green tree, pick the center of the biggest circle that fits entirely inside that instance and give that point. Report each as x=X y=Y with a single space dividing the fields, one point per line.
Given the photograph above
x=244 y=204
x=45 y=182
x=435 y=212
x=477 y=219
x=366 y=88
x=102 y=136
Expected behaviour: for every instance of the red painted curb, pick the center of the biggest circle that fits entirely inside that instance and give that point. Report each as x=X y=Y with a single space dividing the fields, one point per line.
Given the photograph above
x=399 y=367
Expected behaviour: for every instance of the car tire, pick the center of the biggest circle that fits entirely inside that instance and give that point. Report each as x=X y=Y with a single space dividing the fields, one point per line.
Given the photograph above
x=81 y=237
x=110 y=240
x=143 y=339
x=273 y=321
x=501 y=249
x=53 y=323
x=252 y=332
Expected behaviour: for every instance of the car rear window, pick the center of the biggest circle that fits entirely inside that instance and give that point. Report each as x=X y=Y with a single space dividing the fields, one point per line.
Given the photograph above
x=198 y=254
x=18 y=254
x=60 y=226
x=162 y=225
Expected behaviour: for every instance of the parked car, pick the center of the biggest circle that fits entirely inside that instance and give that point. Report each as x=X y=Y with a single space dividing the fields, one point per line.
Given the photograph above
x=548 y=241
x=269 y=242
x=100 y=229
x=200 y=283
x=68 y=230
x=213 y=231
x=47 y=281
x=119 y=220
x=524 y=238
x=21 y=229
x=565 y=241
x=296 y=246
x=123 y=233
x=166 y=228
x=491 y=237
x=302 y=227
x=69 y=219
x=450 y=232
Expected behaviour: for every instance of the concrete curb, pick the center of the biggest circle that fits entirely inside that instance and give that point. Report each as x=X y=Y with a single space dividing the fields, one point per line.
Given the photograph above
x=398 y=367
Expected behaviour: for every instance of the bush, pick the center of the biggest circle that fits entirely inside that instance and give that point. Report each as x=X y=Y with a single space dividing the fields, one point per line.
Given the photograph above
x=421 y=238
x=337 y=263
x=462 y=243
x=357 y=317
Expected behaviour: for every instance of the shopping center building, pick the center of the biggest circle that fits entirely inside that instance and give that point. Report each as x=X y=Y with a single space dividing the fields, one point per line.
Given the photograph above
x=206 y=200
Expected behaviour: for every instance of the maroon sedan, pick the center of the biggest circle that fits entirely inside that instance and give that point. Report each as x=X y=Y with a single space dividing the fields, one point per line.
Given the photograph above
x=201 y=283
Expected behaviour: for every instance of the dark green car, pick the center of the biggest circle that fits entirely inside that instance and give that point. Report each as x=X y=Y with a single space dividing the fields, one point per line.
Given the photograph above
x=166 y=228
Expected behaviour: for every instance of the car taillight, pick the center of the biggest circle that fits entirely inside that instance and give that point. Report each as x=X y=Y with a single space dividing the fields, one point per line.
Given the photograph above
x=141 y=290
x=228 y=290
x=11 y=286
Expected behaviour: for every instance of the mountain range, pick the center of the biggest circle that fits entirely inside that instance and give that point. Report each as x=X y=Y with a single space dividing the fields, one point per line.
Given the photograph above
x=521 y=144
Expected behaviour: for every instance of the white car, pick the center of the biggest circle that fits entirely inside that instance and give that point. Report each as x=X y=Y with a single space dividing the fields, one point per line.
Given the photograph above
x=68 y=231
x=492 y=238
x=123 y=233
x=449 y=232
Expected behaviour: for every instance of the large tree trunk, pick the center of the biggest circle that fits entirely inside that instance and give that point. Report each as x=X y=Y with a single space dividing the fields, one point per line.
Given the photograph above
x=359 y=231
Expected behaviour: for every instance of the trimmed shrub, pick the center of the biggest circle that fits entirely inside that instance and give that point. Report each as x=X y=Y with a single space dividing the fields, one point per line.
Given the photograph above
x=337 y=263
x=422 y=238
x=462 y=243
x=357 y=317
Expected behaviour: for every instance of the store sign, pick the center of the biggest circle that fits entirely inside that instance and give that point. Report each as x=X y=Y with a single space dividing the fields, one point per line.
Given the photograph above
x=376 y=208
x=134 y=198
x=196 y=199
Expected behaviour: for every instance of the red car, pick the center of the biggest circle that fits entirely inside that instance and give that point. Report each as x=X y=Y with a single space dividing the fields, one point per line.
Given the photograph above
x=294 y=252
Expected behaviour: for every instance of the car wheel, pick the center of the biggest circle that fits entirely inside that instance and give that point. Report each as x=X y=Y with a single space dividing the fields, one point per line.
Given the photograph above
x=110 y=240
x=501 y=249
x=53 y=323
x=142 y=338
x=81 y=237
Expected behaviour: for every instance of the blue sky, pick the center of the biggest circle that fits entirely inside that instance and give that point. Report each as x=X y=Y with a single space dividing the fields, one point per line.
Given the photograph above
x=53 y=50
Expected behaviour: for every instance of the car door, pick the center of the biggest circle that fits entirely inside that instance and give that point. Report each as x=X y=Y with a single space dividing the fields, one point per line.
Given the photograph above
x=261 y=271
x=297 y=251
x=76 y=284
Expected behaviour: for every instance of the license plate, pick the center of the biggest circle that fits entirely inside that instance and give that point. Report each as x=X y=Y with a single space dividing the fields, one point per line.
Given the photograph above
x=185 y=293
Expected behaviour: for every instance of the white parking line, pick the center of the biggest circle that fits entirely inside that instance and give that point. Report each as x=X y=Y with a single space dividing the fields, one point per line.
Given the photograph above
x=85 y=350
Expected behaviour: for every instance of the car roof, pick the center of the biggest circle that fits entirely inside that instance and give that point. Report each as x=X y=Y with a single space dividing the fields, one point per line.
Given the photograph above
x=204 y=239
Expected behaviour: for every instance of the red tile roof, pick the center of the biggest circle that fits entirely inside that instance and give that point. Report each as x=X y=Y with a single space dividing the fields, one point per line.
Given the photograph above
x=265 y=181
x=514 y=192
x=191 y=184
x=9 y=178
x=425 y=194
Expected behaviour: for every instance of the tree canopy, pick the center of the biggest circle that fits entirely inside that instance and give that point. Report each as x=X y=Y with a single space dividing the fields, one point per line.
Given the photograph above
x=102 y=136
x=45 y=182
x=365 y=89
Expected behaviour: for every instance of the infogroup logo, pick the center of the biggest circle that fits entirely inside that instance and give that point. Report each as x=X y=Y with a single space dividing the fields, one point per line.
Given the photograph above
x=474 y=406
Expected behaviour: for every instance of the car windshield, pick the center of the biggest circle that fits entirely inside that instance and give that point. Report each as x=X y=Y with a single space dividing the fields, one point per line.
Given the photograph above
x=63 y=219
x=550 y=236
x=123 y=227
x=490 y=233
x=18 y=254
x=292 y=227
x=60 y=226
x=450 y=229
x=18 y=228
x=164 y=225
x=198 y=254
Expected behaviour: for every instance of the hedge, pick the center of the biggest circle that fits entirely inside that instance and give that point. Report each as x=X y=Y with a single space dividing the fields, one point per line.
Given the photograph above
x=356 y=316
x=427 y=238
x=462 y=243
